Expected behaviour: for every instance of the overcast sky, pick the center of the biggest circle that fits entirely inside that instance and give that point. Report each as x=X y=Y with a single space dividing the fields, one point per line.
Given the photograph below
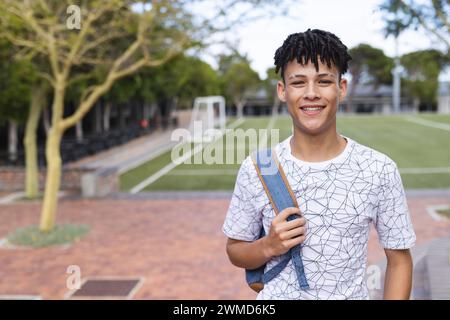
x=353 y=21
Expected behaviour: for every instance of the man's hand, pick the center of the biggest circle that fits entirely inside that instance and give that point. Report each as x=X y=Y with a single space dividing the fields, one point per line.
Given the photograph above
x=283 y=234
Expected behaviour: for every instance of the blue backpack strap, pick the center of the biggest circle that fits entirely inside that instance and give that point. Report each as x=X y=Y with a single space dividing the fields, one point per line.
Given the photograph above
x=281 y=197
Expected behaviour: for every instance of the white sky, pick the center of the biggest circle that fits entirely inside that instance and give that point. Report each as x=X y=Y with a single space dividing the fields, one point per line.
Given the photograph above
x=353 y=21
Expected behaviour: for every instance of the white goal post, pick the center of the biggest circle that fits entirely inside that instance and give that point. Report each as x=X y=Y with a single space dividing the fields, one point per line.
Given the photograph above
x=207 y=113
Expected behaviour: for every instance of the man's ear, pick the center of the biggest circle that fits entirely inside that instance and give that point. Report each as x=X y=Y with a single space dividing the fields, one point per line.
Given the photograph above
x=343 y=89
x=281 y=91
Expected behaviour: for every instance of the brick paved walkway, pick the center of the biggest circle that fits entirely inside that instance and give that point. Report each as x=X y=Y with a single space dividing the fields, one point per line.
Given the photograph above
x=176 y=245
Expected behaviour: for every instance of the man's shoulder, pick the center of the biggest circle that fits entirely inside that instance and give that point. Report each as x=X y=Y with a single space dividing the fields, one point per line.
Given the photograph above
x=247 y=169
x=366 y=153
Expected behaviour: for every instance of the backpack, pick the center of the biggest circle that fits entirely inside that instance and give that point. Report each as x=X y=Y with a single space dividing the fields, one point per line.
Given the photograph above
x=281 y=197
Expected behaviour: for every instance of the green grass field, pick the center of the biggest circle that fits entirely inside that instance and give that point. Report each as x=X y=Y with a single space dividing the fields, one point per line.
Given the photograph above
x=415 y=147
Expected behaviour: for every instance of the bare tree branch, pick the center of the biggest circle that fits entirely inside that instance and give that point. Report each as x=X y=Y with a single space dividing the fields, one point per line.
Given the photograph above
x=425 y=25
x=440 y=14
x=23 y=42
x=97 y=42
x=47 y=77
x=93 y=61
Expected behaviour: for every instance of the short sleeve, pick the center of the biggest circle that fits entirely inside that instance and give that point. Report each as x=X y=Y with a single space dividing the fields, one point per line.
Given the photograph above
x=243 y=221
x=393 y=221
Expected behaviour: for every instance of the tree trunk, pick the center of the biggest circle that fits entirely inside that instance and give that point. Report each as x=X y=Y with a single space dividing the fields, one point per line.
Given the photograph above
x=275 y=106
x=37 y=103
x=107 y=116
x=98 y=118
x=79 y=130
x=351 y=94
x=12 y=140
x=46 y=120
x=416 y=104
x=240 y=108
x=52 y=181
x=122 y=117
x=54 y=163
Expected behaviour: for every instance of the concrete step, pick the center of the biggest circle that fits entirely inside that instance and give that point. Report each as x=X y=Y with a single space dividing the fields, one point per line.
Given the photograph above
x=420 y=286
x=438 y=269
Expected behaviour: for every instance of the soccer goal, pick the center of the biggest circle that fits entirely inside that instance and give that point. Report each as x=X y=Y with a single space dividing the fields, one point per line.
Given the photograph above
x=208 y=113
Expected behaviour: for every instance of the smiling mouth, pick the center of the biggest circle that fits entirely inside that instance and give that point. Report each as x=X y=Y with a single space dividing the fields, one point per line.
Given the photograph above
x=312 y=110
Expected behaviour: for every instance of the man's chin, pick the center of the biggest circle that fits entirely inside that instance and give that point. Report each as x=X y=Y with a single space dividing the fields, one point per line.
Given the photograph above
x=311 y=129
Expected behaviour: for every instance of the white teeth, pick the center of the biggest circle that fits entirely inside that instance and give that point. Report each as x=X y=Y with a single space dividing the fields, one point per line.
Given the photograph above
x=312 y=109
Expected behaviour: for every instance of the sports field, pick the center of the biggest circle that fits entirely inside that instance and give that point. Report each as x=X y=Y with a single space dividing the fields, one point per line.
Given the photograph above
x=419 y=144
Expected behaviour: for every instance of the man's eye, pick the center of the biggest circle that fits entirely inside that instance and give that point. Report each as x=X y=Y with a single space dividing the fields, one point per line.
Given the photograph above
x=325 y=81
x=298 y=83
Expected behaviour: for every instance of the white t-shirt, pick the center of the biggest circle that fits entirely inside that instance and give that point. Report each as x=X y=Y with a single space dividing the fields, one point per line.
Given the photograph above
x=339 y=198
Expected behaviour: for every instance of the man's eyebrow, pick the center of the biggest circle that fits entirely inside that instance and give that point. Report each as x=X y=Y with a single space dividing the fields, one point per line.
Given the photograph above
x=321 y=75
x=327 y=75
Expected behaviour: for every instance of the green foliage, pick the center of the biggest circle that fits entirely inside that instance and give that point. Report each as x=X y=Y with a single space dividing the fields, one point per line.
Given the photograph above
x=16 y=78
x=422 y=72
x=225 y=61
x=238 y=79
x=370 y=65
x=62 y=234
x=445 y=213
x=183 y=77
x=270 y=83
x=397 y=17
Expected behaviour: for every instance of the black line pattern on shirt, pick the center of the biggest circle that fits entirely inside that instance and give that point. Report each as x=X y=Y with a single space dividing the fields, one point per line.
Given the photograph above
x=340 y=201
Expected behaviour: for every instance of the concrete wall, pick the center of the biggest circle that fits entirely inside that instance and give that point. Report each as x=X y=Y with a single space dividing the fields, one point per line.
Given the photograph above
x=88 y=182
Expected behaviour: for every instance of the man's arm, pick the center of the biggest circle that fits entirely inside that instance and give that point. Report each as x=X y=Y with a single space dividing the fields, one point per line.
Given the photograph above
x=398 y=278
x=249 y=255
x=282 y=236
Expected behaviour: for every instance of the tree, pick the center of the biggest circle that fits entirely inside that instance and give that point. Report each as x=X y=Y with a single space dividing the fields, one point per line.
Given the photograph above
x=270 y=86
x=237 y=79
x=117 y=36
x=154 y=37
x=182 y=80
x=23 y=99
x=422 y=71
x=431 y=15
x=369 y=65
x=16 y=79
x=199 y=79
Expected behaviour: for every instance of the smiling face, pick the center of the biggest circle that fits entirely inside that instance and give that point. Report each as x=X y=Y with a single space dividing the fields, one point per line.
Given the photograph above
x=312 y=96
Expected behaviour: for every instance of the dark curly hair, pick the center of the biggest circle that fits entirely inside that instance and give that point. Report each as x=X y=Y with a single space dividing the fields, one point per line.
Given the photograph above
x=307 y=46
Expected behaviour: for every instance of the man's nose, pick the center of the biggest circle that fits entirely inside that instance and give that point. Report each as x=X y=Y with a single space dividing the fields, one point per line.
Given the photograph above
x=311 y=92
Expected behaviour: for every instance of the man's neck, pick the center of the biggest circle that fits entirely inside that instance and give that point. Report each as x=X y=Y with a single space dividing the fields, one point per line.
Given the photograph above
x=317 y=148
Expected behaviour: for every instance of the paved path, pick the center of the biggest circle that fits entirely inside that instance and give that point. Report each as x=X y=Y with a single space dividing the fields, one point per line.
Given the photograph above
x=175 y=244
x=135 y=152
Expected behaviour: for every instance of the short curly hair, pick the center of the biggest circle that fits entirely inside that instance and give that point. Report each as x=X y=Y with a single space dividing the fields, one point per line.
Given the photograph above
x=307 y=46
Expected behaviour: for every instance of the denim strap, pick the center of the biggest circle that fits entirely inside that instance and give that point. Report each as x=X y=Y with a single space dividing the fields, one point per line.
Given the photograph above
x=281 y=197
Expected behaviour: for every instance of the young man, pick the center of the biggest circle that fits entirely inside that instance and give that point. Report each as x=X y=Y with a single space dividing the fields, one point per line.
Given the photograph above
x=341 y=187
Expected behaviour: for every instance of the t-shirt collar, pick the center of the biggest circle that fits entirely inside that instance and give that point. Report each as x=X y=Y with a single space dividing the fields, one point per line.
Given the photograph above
x=287 y=153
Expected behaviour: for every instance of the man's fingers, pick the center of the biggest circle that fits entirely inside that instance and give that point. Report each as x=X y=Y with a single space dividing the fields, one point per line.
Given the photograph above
x=293 y=233
x=295 y=241
x=286 y=213
x=288 y=225
x=299 y=222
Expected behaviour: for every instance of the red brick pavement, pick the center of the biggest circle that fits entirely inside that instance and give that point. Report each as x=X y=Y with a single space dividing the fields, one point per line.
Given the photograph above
x=176 y=245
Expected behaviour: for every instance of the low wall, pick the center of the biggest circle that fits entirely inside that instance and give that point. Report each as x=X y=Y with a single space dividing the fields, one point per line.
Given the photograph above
x=88 y=182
